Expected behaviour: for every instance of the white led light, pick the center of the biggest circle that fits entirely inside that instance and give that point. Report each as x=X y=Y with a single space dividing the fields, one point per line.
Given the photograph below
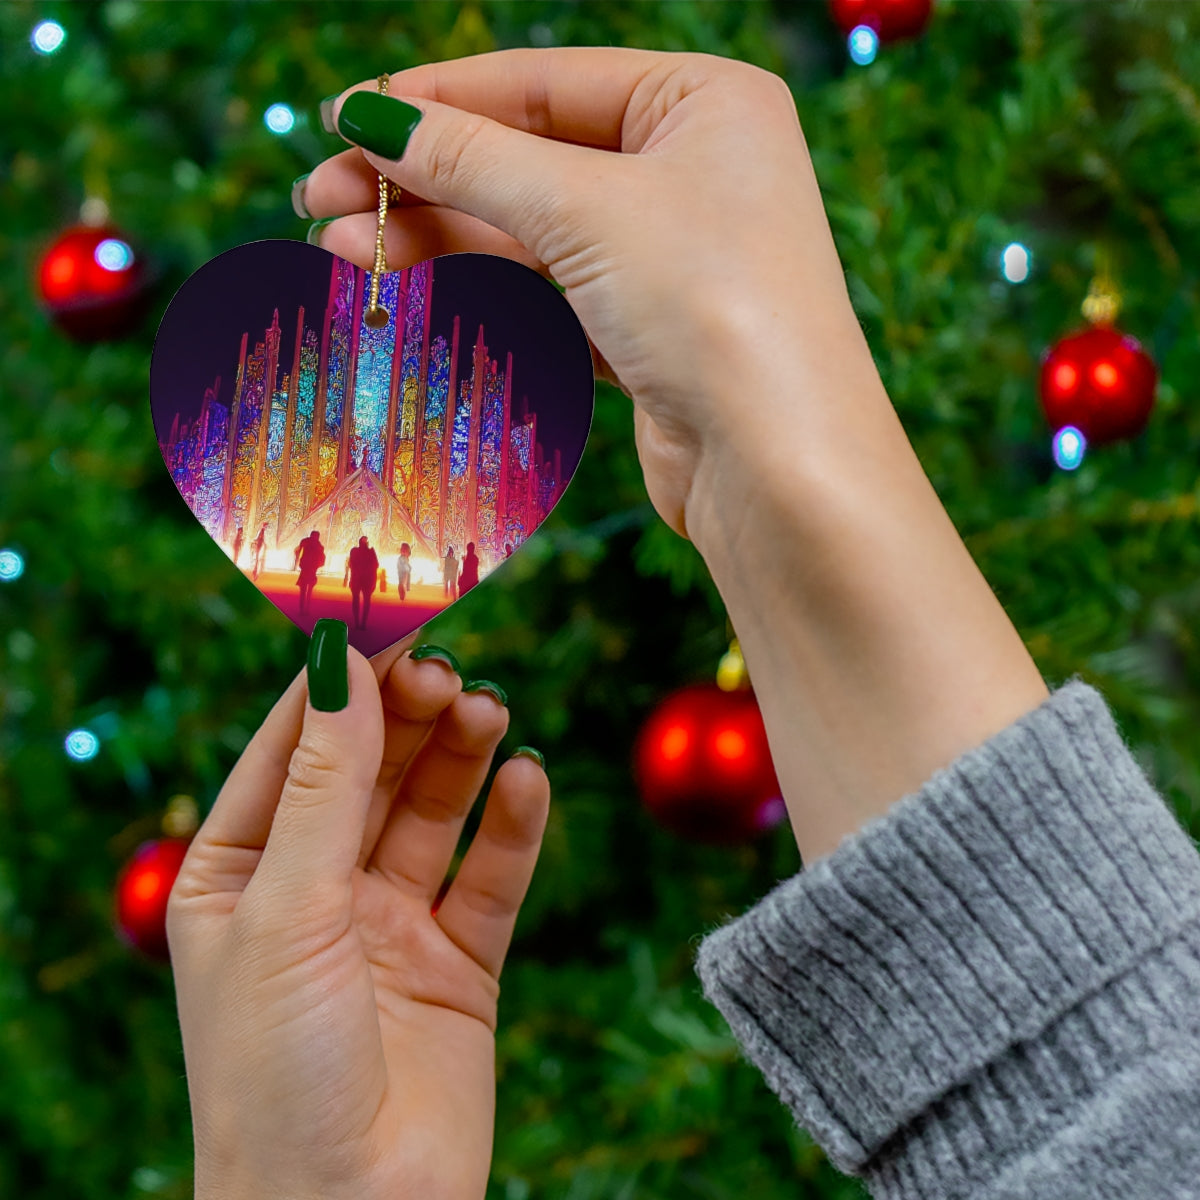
x=863 y=44
x=12 y=566
x=47 y=37
x=279 y=118
x=1015 y=263
x=114 y=255
x=1069 y=447
x=82 y=744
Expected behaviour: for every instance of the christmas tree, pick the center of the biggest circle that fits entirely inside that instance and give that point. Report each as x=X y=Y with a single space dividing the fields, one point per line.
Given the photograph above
x=977 y=178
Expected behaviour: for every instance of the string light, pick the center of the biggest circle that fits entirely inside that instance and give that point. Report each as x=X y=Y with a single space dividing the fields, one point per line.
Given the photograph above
x=47 y=37
x=1015 y=263
x=113 y=254
x=82 y=745
x=94 y=211
x=1069 y=447
x=279 y=119
x=12 y=566
x=863 y=44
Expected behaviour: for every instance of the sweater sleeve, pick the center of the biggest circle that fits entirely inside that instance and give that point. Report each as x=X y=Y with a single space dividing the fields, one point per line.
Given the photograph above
x=993 y=990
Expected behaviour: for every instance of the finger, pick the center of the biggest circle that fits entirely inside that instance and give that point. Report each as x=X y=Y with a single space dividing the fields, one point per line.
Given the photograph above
x=382 y=662
x=480 y=910
x=345 y=183
x=414 y=695
x=575 y=94
x=227 y=846
x=514 y=181
x=317 y=830
x=418 y=234
x=421 y=833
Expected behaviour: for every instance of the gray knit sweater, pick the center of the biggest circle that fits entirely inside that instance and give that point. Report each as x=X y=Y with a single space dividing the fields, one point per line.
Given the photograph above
x=993 y=991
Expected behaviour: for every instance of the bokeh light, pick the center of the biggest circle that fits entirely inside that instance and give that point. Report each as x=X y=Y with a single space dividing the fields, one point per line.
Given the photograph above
x=1069 y=447
x=114 y=255
x=863 y=44
x=47 y=36
x=1016 y=262
x=674 y=743
x=730 y=745
x=82 y=744
x=1065 y=377
x=12 y=566
x=279 y=118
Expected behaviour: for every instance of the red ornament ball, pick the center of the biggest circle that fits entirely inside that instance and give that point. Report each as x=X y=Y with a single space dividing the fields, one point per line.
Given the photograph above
x=92 y=283
x=892 y=20
x=1101 y=381
x=704 y=768
x=142 y=891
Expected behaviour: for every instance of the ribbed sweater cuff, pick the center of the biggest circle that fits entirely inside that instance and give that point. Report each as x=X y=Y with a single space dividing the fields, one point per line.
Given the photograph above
x=973 y=954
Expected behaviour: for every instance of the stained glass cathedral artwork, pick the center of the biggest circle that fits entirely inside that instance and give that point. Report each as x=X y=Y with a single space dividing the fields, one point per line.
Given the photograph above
x=374 y=431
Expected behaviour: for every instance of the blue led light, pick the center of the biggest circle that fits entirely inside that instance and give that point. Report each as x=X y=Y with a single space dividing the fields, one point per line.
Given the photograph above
x=863 y=44
x=279 y=118
x=114 y=255
x=47 y=36
x=82 y=744
x=1015 y=263
x=12 y=566
x=1069 y=447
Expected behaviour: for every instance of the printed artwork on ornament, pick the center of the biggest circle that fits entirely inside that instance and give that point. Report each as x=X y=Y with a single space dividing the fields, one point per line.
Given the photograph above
x=369 y=474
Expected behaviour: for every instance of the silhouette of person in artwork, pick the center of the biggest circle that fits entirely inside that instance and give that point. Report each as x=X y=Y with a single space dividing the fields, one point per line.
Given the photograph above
x=470 y=569
x=404 y=570
x=310 y=557
x=450 y=574
x=259 y=546
x=238 y=539
x=508 y=549
x=362 y=570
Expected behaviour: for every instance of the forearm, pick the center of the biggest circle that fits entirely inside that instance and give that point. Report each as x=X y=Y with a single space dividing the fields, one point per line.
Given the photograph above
x=877 y=650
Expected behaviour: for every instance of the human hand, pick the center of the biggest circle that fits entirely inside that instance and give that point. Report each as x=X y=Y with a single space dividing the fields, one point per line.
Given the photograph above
x=695 y=254
x=338 y=1035
x=673 y=197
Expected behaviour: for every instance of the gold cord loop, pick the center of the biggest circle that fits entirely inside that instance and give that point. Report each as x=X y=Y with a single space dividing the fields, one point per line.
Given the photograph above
x=376 y=317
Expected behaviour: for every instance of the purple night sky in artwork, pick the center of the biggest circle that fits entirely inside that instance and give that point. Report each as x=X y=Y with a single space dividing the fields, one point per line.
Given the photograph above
x=520 y=312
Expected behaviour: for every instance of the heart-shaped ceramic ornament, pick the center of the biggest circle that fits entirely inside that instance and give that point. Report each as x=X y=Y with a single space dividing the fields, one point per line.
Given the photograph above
x=363 y=468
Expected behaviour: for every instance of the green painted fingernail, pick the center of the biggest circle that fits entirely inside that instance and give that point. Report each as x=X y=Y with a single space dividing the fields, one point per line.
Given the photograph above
x=328 y=672
x=378 y=123
x=313 y=237
x=326 y=111
x=530 y=752
x=298 y=205
x=423 y=652
x=486 y=685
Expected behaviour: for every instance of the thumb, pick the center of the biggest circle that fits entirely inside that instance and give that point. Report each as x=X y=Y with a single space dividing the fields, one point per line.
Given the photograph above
x=517 y=182
x=317 y=830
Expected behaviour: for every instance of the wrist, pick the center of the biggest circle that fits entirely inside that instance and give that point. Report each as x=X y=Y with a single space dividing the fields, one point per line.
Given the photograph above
x=793 y=423
x=878 y=651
